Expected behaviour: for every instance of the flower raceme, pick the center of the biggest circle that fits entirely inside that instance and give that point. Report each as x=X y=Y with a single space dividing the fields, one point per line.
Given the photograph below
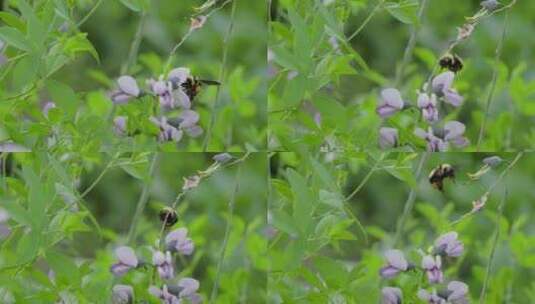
x=391 y=102
x=185 y=290
x=446 y=245
x=456 y=293
x=453 y=132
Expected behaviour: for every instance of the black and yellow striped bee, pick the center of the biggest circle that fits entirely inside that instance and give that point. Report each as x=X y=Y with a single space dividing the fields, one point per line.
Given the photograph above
x=437 y=176
x=192 y=86
x=451 y=62
x=168 y=216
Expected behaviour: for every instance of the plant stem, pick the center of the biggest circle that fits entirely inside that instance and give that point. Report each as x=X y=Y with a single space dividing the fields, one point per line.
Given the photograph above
x=410 y=45
x=409 y=204
x=493 y=248
x=222 y=72
x=499 y=49
x=366 y=178
x=134 y=47
x=89 y=14
x=228 y=228
x=489 y=190
x=142 y=202
x=368 y=18
x=101 y=175
x=212 y=170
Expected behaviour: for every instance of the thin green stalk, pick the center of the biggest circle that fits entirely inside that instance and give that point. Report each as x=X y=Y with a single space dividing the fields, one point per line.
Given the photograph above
x=90 y=13
x=499 y=49
x=491 y=188
x=493 y=249
x=142 y=202
x=186 y=36
x=366 y=178
x=407 y=55
x=228 y=228
x=222 y=72
x=368 y=18
x=134 y=47
x=409 y=204
x=101 y=175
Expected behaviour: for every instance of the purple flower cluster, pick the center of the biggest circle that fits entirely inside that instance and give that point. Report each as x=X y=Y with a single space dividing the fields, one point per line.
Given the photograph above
x=171 y=292
x=437 y=139
x=171 y=96
x=446 y=245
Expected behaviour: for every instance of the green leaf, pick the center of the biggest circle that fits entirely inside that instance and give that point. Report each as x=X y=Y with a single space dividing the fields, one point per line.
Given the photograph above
x=284 y=222
x=80 y=44
x=13 y=21
x=135 y=5
x=63 y=96
x=405 y=11
x=15 y=38
x=303 y=200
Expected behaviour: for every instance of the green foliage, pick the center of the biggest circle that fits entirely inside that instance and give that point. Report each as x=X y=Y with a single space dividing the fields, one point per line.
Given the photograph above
x=68 y=213
x=329 y=61
x=333 y=263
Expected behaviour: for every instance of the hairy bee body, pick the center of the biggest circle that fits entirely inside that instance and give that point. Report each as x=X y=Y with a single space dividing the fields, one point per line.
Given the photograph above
x=168 y=216
x=192 y=86
x=451 y=62
x=437 y=176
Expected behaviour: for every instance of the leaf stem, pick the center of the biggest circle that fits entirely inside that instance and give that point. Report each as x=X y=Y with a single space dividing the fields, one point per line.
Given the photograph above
x=366 y=178
x=142 y=202
x=368 y=18
x=214 y=109
x=492 y=88
x=493 y=248
x=90 y=13
x=410 y=44
x=409 y=203
x=226 y=237
x=101 y=175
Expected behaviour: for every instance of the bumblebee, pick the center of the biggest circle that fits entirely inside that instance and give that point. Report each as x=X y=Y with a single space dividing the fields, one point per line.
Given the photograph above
x=168 y=216
x=437 y=176
x=451 y=62
x=192 y=86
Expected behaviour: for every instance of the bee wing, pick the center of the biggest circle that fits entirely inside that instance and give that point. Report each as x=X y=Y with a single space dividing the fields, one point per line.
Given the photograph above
x=209 y=82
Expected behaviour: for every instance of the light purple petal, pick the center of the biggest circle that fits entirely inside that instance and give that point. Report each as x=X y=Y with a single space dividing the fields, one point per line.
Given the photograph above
x=392 y=97
x=179 y=75
x=189 y=118
x=453 y=98
x=453 y=129
x=391 y=295
x=458 y=289
x=442 y=82
x=188 y=286
x=127 y=256
x=397 y=259
x=128 y=85
x=388 y=137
